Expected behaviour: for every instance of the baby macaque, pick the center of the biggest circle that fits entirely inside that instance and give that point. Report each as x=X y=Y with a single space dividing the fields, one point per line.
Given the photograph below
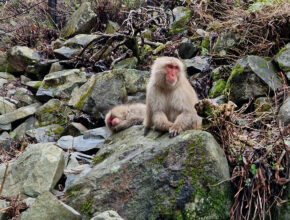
x=121 y=117
x=170 y=99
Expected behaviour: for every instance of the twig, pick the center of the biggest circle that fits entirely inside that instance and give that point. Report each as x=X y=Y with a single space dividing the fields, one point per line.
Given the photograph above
x=4 y=178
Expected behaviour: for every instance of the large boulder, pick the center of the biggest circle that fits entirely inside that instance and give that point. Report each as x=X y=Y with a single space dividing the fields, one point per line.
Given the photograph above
x=81 y=21
x=252 y=77
x=154 y=177
x=35 y=171
x=20 y=57
x=107 y=89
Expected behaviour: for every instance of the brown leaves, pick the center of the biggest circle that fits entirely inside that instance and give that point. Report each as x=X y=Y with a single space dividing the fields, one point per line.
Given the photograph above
x=257 y=156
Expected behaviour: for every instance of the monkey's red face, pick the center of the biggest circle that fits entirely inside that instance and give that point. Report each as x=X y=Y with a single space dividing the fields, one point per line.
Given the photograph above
x=172 y=70
x=113 y=121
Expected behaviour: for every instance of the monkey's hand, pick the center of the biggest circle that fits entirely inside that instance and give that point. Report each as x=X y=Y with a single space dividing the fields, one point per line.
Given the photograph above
x=174 y=130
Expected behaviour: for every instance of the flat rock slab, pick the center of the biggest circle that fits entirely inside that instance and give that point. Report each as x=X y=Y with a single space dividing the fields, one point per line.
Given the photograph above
x=18 y=114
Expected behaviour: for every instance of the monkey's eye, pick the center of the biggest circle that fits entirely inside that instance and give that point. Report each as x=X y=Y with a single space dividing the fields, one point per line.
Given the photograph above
x=170 y=66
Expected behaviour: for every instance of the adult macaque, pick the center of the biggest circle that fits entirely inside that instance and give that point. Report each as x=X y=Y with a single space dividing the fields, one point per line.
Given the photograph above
x=170 y=99
x=121 y=117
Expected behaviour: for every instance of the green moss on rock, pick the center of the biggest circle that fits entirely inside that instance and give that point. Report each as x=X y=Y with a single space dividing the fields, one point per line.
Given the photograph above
x=217 y=88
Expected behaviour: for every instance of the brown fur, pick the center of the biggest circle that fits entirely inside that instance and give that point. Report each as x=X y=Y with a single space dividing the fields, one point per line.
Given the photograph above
x=170 y=107
x=129 y=115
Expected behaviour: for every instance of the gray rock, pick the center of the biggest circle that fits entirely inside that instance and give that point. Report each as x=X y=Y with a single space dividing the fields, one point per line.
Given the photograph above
x=197 y=64
x=107 y=89
x=74 y=129
x=265 y=70
x=284 y=112
x=102 y=132
x=47 y=113
x=112 y=27
x=45 y=134
x=79 y=143
x=61 y=83
x=58 y=43
x=18 y=114
x=55 y=67
x=181 y=18
x=24 y=79
x=187 y=50
x=224 y=42
x=20 y=131
x=251 y=78
x=283 y=58
x=5 y=141
x=40 y=69
x=33 y=85
x=29 y=201
x=35 y=171
x=221 y=72
x=74 y=170
x=66 y=52
x=24 y=97
x=19 y=57
x=6 y=106
x=83 y=157
x=107 y=215
x=80 y=40
x=263 y=104
x=5 y=127
x=2 y=83
x=81 y=21
x=3 y=205
x=7 y=76
x=153 y=176
x=129 y=63
x=48 y=207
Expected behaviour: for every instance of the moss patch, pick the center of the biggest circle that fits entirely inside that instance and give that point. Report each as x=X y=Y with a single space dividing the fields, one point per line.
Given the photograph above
x=217 y=89
x=237 y=70
x=86 y=207
x=101 y=158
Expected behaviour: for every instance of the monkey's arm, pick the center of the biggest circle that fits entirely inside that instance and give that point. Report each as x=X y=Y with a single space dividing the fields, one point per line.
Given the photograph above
x=160 y=121
x=128 y=123
x=185 y=121
x=122 y=125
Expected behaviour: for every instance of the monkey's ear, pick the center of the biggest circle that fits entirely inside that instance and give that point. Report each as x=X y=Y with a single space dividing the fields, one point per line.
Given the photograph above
x=146 y=131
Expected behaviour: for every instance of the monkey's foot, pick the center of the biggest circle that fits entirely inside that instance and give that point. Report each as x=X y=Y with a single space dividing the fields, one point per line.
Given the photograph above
x=174 y=130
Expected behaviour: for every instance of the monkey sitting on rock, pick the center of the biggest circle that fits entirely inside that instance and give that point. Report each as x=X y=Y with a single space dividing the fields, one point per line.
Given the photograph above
x=170 y=99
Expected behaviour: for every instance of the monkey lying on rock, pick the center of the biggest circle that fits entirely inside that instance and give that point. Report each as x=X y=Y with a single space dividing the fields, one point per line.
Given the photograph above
x=170 y=99
x=121 y=117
